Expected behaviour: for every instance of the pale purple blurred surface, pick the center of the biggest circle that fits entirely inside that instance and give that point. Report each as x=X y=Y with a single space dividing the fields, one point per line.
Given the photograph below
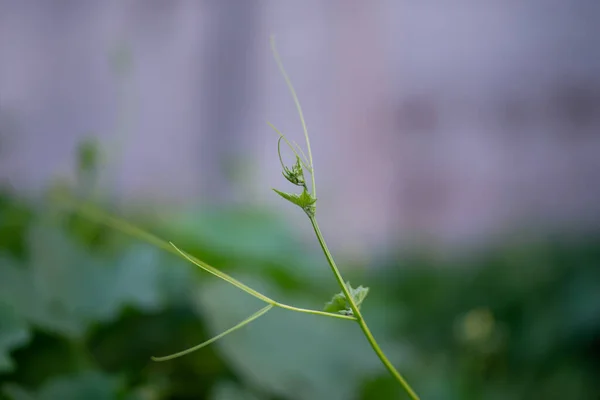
x=440 y=122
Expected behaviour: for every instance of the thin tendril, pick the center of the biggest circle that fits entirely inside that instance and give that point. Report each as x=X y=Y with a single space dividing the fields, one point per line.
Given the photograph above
x=298 y=107
x=251 y=318
x=285 y=139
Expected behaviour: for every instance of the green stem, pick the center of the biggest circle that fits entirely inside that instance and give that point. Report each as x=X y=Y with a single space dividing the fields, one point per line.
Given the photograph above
x=88 y=211
x=359 y=318
x=314 y=312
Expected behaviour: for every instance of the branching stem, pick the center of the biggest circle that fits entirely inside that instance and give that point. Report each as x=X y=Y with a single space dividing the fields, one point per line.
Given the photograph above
x=125 y=227
x=311 y=215
x=359 y=318
x=314 y=312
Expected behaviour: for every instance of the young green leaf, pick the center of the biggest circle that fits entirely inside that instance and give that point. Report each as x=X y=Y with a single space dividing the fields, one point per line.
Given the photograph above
x=336 y=304
x=303 y=200
x=358 y=294
x=339 y=304
x=295 y=174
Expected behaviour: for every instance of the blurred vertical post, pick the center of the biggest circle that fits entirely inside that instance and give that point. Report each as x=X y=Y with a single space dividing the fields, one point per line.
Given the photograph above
x=363 y=124
x=226 y=90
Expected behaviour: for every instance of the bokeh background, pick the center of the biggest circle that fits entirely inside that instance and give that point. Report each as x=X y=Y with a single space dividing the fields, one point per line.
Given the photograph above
x=457 y=151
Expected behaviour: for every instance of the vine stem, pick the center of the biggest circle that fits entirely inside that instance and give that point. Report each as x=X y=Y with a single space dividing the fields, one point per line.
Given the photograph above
x=94 y=214
x=359 y=318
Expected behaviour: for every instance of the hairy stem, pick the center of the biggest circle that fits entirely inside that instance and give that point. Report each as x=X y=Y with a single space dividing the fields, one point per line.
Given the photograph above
x=359 y=318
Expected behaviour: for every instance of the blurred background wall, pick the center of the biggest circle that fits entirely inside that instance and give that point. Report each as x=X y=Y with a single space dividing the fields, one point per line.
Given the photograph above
x=447 y=123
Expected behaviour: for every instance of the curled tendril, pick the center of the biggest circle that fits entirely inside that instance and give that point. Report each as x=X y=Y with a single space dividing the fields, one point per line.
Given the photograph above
x=300 y=154
x=295 y=175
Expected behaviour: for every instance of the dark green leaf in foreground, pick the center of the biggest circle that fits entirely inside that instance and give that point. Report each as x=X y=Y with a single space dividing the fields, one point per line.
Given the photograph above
x=64 y=289
x=86 y=385
x=230 y=391
x=13 y=333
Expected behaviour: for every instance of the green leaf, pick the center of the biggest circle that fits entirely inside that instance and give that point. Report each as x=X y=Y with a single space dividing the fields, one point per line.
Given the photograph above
x=86 y=385
x=15 y=392
x=230 y=391
x=13 y=333
x=295 y=175
x=339 y=304
x=65 y=289
x=336 y=304
x=359 y=294
x=303 y=200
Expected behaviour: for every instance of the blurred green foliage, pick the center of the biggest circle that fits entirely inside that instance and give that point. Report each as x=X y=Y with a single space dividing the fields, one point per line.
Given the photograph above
x=82 y=309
